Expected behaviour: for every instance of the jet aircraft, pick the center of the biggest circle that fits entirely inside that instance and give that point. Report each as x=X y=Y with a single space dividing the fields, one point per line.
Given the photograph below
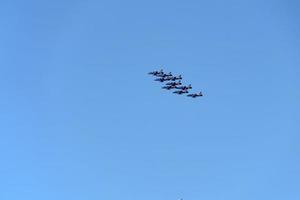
x=168 y=78
x=169 y=87
x=174 y=83
x=195 y=95
x=181 y=91
x=161 y=79
x=156 y=73
x=185 y=87
x=174 y=78
x=163 y=75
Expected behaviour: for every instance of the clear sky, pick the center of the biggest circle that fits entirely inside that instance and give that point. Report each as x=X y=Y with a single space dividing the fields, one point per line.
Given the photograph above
x=82 y=120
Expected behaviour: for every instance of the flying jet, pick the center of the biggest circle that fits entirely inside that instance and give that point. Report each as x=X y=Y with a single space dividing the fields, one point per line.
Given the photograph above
x=161 y=79
x=169 y=87
x=163 y=75
x=168 y=78
x=195 y=95
x=174 y=78
x=174 y=83
x=185 y=87
x=156 y=73
x=181 y=91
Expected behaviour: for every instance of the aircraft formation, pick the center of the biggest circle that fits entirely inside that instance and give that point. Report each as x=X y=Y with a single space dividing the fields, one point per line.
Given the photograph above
x=174 y=83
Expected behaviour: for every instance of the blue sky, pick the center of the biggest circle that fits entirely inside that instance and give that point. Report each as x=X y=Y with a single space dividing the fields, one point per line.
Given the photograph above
x=81 y=119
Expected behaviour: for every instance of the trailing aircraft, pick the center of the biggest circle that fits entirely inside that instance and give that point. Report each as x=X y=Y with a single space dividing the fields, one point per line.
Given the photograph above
x=195 y=95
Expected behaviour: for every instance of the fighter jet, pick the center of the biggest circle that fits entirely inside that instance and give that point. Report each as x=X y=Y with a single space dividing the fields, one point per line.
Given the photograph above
x=185 y=87
x=181 y=91
x=169 y=87
x=174 y=83
x=168 y=78
x=163 y=75
x=174 y=78
x=195 y=95
x=156 y=73
x=161 y=79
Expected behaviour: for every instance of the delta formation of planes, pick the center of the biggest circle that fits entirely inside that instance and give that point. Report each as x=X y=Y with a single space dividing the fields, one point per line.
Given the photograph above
x=174 y=83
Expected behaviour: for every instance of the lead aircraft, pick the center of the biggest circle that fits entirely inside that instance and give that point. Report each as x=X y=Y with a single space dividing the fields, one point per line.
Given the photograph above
x=156 y=73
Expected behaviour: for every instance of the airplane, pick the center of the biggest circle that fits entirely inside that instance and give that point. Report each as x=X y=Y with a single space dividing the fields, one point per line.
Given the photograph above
x=156 y=73
x=161 y=79
x=174 y=83
x=169 y=87
x=181 y=92
x=195 y=95
x=163 y=75
x=185 y=87
x=168 y=78
x=172 y=78
x=176 y=78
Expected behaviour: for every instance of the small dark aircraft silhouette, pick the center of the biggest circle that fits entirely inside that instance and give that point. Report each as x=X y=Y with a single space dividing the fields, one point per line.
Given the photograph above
x=169 y=87
x=156 y=73
x=174 y=78
x=195 y=95
x=174 y=83
x=185 y=87
x=181 y=91
x=163 y=75
x=161 y=79
x=168 y=78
